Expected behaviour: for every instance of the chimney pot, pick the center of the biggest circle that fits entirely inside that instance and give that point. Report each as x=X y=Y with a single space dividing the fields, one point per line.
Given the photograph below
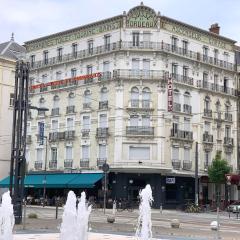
x=214 y=28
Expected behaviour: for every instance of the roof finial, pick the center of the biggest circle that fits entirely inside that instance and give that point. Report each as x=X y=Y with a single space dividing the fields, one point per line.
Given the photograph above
x=12 y=37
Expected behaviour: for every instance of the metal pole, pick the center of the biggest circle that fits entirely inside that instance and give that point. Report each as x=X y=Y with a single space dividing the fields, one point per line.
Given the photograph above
x=45 y=177
x=24 y=215
x=105 y=188
x=196 y=175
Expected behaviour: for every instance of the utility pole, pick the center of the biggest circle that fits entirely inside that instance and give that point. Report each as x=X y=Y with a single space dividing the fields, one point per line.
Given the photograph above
x=196 y=175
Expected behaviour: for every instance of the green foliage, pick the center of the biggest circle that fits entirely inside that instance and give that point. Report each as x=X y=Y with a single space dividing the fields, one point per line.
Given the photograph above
x=32 y=215
x=218 y=169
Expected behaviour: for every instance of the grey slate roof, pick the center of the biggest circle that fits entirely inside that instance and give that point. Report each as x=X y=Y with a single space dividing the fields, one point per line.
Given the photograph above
x=11 y=50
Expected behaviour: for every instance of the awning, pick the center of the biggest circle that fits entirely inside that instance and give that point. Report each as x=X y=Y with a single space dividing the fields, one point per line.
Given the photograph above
x=58 y=180
x=233 y=178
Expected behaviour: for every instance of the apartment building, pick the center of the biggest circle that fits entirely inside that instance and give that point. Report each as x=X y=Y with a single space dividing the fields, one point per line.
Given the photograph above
x=136 y=91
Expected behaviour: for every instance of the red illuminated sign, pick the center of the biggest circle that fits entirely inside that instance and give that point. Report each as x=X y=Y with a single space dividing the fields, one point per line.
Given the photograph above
x=170 y=94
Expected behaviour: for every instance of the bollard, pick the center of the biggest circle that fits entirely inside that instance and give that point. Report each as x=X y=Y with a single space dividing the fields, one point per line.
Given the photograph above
x=56 y=211
x=161 y=208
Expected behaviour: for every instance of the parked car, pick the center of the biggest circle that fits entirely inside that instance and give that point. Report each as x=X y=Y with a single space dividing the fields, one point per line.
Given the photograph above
x=234 y=207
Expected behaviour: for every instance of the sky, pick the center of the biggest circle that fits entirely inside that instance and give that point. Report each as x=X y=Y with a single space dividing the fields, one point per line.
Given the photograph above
x=31 y=19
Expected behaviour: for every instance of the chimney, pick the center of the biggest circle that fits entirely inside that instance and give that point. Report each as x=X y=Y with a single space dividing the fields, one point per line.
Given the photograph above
x=214 y=28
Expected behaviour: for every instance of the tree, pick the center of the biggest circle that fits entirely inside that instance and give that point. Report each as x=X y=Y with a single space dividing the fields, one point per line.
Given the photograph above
x=216 y=173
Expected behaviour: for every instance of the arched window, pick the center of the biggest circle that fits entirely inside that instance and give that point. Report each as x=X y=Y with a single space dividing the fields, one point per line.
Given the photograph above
x=228 y=115
x=146 y=97
x=187 y=98
x=134 y=97
x=103 y=94
x=176 y=96
x=218 y=106
x=41 y=105
x=207 y=102
x=87 y=97
x=56 y=101
x=71 y=99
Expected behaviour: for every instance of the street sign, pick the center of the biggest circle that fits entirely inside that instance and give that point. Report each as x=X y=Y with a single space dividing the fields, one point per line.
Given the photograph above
x=41 y=132
x=105 y=167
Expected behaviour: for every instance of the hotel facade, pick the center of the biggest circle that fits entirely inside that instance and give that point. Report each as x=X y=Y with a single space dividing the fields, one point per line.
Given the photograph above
x=136 y=91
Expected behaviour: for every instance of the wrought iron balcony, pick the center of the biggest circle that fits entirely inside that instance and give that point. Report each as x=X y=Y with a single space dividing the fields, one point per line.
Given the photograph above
x=38 y=165
x=55 y=136
x=176 y=107
x=228 y=141
x=134 y=103
x=101 y=161
x=55 y=112
x=105 y=76
x=182 y=79
x=187 y=109
x=187 y=165
x=140 y=130
x=102 y=133
x=69 y=135
x=85 y=132
x=68 y=163
x=84 y=163
x=103 y=105
x=28 y=139
x=146 y=104
x=86 y=105
x=139 y=74
x=207 y=113
x=183 y=135
x=207 y=138
x=53 y=164
x=70 y=109
x=228 y=117
x=176 y=163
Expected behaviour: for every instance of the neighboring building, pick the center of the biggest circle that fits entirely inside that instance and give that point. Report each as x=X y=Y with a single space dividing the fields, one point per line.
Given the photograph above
x=9 y=52
x=164 y=86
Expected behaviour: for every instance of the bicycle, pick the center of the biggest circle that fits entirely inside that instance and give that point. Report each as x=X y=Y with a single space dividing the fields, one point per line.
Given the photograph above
x=124 y=205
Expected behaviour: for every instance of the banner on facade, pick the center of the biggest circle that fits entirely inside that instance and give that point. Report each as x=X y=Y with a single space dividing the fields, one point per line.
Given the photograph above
x=170 y=94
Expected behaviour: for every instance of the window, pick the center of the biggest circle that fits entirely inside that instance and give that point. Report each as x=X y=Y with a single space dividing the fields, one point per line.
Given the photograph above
x=185 y=71
x=54 y=154
x=205 y=54
x=185 y=47
x=39 y=155
x=218 y=107
x=215 y=79
x=176 y=96
x=205 y=80
x=107 y=42
x=103 y=120
x=139 y=153
x=74 y=50
x=56 y=101
x=69 y=155
x=225 y=58
x=145 y=121
x=85 y=152
x=86 y=122
x=216 y=53
x=106 y=66
x=44 y=78
x=175 y=154
x=187 y=98
x=87 y=96
x=227 y=108
x=146 y=67
x=103 y=95
x=90 y=47
x=207 y=127
x=11 y=100
x=135 y=38
x=227 y=131
x=218 y=132
x=174 y=44
x=174 y=70
x=134 y=93
x=71 y=99
x=225 y=85
x=146 y=38
x=73 y=72
x=70 y=124
x=102 y=151
x=59 y=75
x=175 y=125
x=41 y=102
x=89 y=69
x=59 y=54
x=207 y=103
x=187 y=154
x=135 y=66
x=146 y=96
x=45 y=57
x=207 y=158
x=134 y=121
x=55 y=125
x=187 y=124
x=32 y=60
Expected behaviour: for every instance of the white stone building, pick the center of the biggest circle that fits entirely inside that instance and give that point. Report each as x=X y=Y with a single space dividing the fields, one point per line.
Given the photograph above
x=125 y=116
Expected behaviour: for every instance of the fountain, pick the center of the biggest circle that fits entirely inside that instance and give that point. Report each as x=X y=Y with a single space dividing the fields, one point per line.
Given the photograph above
x=6 y=217
x=82 y=218
x=144 y=227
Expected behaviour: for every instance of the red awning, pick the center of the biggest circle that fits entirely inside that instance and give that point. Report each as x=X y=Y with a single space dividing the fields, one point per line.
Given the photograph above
x=233 y=178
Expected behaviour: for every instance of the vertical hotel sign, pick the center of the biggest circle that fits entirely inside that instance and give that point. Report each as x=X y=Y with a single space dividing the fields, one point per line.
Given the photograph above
x=170 y=94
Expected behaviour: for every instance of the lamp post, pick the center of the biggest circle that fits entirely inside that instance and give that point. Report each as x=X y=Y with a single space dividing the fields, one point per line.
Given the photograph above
x=45 y=172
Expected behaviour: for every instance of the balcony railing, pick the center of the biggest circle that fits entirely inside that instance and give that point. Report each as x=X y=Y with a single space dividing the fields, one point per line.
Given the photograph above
x=228 y=141
x=85 y=132
x=55 y=112
x=187 y=109
x=70 y=109
x=146 y=104
x=140 y=130
x=176 y=107
x=228 y=117
x=134 y=103
x=84 y=163
x=207 y=138
x=139 y=74
x=105 y=76
x=53 y=164
x=86 y=105
x=68 y=163
x=187 y=165
x=69 y=135
x=207 y=113
x=101 y=161
x=102 y=132
x=182 y=79
x=103 y=105
x=38 y=165
x=176 y=164
x=28 y=139
x=55 y=136
x=180 y=134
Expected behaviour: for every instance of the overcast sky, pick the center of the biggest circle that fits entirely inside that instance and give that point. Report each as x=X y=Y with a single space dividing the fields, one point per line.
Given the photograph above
x=30 y=19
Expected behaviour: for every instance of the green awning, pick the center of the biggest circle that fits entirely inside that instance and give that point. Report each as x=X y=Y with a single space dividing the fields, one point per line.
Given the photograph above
x=58 y=180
